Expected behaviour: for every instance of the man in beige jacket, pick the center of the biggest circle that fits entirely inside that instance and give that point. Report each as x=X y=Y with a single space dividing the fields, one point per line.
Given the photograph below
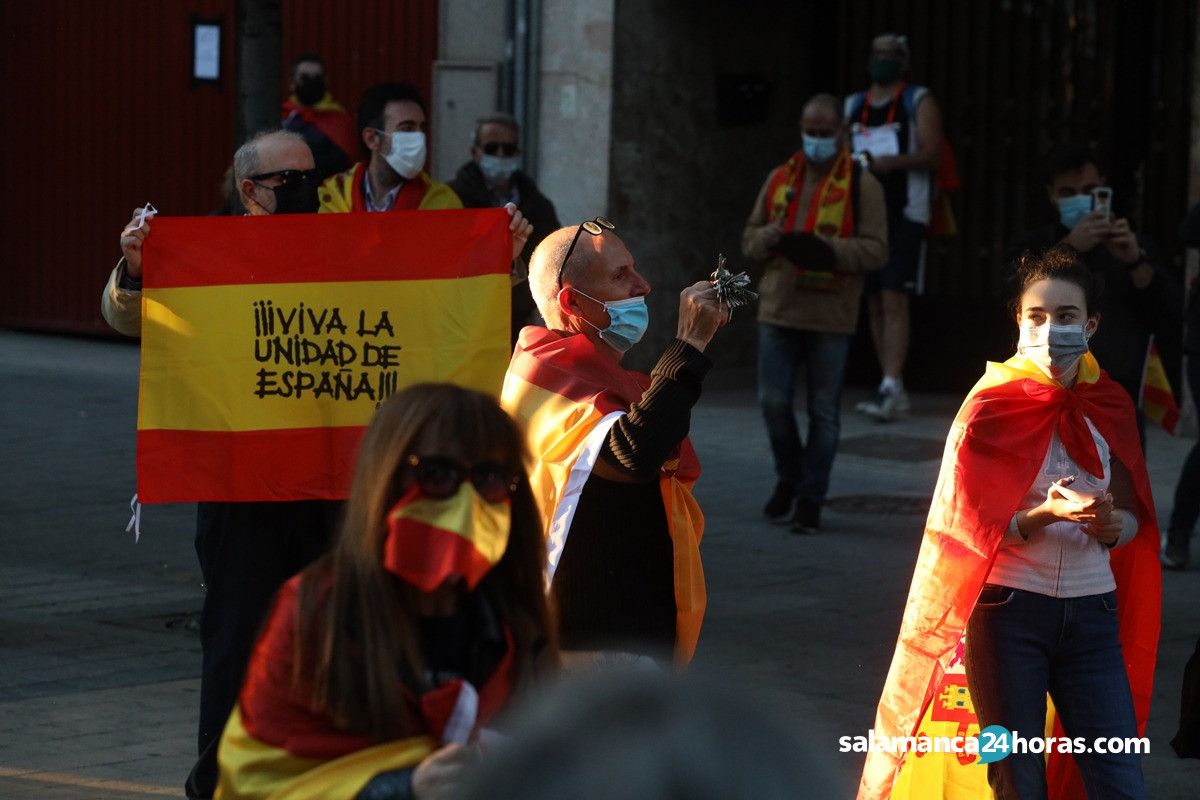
x=819 y=224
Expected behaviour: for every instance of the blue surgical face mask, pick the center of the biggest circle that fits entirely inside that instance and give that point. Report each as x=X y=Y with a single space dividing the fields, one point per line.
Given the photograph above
x=818 y=148
x=627 y=321
x=1056 y=349
x=1074 y=208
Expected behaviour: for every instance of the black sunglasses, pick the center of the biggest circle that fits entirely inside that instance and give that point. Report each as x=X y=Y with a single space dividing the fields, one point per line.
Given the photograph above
x=506 y=149
x=440 y=476
x=595 y=227
x=287 y=176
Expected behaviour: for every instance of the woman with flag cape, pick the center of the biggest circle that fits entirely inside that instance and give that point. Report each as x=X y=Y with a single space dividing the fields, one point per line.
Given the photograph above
x=385 y=659
x=1038 y=574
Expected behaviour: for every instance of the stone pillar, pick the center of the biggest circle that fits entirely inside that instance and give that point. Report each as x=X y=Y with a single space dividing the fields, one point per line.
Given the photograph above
x=467 y=76
x=575 y=116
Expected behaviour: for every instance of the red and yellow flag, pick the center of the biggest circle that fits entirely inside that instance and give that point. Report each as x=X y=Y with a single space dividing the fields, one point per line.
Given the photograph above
x=268 y=342
x=1158 y=401
x=568 y=396
x=275 y=746
x=996 y=445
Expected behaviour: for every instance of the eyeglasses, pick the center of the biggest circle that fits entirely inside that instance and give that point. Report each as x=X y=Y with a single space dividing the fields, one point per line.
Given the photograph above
x=595 y=227
x=440 y=476
x=288 y=176
x=506 y=149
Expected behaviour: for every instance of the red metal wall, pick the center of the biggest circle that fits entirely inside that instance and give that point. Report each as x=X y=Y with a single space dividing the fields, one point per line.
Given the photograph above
x=102 y=115
x=363 y=42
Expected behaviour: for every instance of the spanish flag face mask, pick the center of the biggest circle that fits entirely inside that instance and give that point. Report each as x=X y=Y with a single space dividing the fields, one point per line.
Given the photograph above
x=430 y=540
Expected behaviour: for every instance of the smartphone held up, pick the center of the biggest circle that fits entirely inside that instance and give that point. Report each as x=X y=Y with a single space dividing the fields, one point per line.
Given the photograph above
x=1102 y=201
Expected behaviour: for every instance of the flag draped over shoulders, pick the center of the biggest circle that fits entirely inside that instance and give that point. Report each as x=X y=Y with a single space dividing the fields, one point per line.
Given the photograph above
x=276 y=746
x=568 y=395
x=996 y=445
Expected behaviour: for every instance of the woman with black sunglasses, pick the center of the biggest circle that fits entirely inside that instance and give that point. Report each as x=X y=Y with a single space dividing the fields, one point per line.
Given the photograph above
x=382 y=661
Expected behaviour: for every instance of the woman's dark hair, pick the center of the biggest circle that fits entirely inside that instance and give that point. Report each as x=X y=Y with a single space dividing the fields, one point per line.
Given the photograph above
x=1060 y=263
x=356 y=623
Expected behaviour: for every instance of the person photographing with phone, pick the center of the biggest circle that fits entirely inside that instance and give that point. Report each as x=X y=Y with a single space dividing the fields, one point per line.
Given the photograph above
x=1140 y=299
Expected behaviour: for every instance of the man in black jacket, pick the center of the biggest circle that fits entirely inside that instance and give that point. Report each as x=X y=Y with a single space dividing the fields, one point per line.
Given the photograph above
x=1139 y=301
x=492 y=178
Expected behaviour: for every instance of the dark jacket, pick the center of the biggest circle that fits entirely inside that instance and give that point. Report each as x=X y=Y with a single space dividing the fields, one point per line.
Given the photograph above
x=469 y=185
x=1128 y=316
x=471 y=188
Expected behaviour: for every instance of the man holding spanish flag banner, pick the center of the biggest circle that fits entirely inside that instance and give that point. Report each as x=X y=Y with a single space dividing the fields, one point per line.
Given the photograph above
x=613 y=469
x=268 y=341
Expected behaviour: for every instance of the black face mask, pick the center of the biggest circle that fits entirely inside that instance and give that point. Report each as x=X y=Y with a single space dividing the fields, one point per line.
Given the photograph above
x=310 y=90
x=297 y=196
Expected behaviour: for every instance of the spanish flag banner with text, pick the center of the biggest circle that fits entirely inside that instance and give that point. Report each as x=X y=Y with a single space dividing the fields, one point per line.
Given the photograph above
x=995 y=447
x=268 y=342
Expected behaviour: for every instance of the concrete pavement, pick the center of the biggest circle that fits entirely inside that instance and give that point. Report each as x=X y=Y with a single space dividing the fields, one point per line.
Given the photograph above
x=99 y=659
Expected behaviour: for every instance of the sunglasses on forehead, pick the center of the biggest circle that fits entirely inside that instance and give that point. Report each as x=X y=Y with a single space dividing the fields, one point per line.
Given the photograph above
x=440 y=476
x=288 y=176
x=595 y=227
x=506 y=149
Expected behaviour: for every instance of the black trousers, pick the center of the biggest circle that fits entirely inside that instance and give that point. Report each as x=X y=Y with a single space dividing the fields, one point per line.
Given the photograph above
x=246 y=552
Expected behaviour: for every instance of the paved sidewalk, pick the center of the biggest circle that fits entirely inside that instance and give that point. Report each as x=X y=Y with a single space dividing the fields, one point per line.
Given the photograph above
x=99 y=659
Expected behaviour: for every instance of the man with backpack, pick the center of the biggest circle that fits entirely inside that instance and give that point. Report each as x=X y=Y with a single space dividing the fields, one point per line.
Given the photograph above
x=896 y=130
x=819 y=225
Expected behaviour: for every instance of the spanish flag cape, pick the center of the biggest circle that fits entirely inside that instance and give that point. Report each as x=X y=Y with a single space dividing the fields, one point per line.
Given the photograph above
x=327 y=116
x=344 y=192
x=996 y=446
x=277 y=747
x=568 y=395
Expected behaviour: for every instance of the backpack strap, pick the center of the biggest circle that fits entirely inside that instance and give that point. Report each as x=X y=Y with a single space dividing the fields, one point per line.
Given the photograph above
x=909 y=98
x=854 y=107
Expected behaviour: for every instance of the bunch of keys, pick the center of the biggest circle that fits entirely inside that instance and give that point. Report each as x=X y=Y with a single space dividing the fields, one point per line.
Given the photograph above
x=732 y=290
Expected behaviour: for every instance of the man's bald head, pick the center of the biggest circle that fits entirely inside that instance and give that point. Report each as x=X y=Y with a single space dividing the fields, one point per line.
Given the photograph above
x=544 y=264
x=823 y=104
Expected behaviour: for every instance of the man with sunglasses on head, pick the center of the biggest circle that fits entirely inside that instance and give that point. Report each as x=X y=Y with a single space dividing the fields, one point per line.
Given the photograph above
x=493 y=178
x=613 y=468
x=246 y=550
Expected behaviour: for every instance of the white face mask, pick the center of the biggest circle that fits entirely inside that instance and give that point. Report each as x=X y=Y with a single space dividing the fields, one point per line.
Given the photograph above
x=1056 y=349
x=497 y=169
x=407 y=154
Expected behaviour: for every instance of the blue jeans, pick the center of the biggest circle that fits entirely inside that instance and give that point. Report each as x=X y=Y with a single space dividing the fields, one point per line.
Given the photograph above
x=1186 y=509
x=781 y=352
x=1021 y=645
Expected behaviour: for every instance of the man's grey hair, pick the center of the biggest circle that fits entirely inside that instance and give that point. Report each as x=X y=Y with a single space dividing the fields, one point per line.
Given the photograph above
x=496 y=118
x=245 y=160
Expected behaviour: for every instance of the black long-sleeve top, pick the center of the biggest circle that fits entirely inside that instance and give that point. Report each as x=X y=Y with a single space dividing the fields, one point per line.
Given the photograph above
x=615 y=583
